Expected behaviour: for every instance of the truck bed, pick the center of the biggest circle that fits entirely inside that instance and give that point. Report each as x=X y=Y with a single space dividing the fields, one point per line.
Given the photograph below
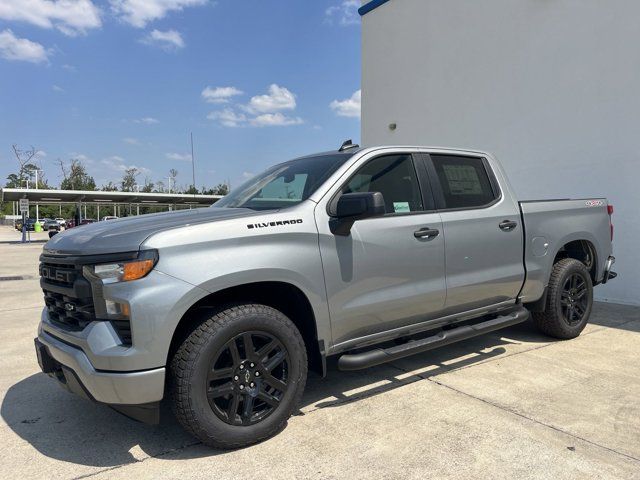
x=549 y=225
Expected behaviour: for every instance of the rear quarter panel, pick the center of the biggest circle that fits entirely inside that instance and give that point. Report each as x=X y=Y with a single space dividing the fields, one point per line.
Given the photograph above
x=555 y=223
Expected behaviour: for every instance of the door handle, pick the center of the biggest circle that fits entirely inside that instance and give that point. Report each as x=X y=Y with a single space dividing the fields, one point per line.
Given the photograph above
x=507 y=225
x=426 y=233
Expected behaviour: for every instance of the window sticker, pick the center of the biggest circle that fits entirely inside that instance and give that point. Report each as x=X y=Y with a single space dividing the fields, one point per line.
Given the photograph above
x=462 y=179
x=401 y=207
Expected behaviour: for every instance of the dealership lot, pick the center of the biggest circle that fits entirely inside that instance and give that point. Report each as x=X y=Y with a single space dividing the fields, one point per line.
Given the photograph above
x=512 y=404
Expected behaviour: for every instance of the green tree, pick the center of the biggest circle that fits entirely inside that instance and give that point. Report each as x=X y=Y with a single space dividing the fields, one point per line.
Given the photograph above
x=109 y=187
x=220 y=189
x=24 y=175
x=75 y=176
x=173 y=174
x=13 y=181
x=26 y=168
x=159 y=187
x=148 y=185
x=129 y=179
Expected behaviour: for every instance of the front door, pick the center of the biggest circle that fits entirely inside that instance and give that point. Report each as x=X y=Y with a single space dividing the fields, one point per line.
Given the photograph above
x=389 y=272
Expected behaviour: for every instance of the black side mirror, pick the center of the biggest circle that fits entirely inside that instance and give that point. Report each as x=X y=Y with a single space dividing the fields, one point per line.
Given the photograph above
x=356 y=206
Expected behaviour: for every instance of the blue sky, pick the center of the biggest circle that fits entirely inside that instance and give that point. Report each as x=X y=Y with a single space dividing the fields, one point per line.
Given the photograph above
x=122 y=83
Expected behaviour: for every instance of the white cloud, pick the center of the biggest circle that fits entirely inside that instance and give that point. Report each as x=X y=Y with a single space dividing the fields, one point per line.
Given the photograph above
x=71 y=17
x=147 y=120
x=180 y=157
x=131 y=141
x=228 y=118
x=69 y=68
x=278 y=98
x=169 y=41
x=220 y=94
x=274 y=120
x=248 y=175
x=140 y=12
x=112 y=160
x=21 y=49
x=118 y=164
x=345 y=13
x=82 y=157
x=261 y=111
x=57 y=88
x=349 y=107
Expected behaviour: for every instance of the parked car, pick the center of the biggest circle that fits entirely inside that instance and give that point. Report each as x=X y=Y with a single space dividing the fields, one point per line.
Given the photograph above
x=30 y=224
x=61 y=221
x=71 y=223
x=109 y=217
x=50 y=224
x=334 y=254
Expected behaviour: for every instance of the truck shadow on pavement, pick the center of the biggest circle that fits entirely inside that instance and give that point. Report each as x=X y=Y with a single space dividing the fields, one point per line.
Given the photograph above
x=65 y=427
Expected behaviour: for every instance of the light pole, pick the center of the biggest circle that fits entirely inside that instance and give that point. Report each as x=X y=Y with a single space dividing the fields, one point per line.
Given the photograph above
x=36 y=171
x=136 y=187
x=193 y=166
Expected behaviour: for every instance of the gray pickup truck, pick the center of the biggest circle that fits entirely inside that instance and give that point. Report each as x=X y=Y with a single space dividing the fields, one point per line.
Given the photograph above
x=369 y=254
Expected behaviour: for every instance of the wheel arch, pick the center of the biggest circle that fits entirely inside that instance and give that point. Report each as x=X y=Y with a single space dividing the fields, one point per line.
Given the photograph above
x=583 y=250
x=574 y=246
x=283 y=296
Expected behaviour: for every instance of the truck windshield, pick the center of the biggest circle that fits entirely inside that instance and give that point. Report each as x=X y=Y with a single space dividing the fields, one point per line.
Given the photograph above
x=285 y=184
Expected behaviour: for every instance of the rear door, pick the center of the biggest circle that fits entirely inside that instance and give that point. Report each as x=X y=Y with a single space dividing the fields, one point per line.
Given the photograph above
x=388 y=272
x=482 y=231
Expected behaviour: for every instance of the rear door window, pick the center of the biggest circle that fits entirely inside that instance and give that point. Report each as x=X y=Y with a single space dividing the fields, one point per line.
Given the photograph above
x=464 y=181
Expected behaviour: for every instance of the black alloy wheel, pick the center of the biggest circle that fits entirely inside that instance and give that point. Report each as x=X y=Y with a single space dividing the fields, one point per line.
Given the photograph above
x=248 y=378
x=239 y=375
x=568 y=301
x=573 y=299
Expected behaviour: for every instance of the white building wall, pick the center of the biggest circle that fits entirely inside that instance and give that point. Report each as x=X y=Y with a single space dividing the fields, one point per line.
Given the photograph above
x=551 y=87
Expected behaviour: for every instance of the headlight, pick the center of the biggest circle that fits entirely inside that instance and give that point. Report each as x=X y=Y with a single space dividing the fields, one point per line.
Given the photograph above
x=125 y=271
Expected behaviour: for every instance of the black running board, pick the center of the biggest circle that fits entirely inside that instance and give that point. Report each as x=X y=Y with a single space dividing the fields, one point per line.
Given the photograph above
x=377 y=356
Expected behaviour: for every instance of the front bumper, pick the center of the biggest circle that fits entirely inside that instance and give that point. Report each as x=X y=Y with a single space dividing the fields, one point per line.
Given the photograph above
x=136 y=394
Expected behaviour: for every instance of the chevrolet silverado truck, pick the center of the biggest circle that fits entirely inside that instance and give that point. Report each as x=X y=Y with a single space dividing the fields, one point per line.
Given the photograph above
x=367 y=254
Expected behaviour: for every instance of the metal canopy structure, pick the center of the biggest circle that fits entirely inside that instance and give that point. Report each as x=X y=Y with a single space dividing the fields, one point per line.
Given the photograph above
x=111 y=202
x=54 y=197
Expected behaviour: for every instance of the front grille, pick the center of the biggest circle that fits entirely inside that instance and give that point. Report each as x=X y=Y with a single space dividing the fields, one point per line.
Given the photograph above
x=67 y=295
x=59 y=274
x=71 y=313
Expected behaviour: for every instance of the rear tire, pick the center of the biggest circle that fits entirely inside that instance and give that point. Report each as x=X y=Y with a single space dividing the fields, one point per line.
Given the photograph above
x=238 y=377
x=569 y=300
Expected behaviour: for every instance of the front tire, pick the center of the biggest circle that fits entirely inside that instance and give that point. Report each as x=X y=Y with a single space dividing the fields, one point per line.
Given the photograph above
x=238 y=377
x=569 y=300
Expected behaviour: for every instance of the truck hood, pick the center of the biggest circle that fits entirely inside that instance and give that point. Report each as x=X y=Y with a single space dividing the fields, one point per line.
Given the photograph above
x=127 y=234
